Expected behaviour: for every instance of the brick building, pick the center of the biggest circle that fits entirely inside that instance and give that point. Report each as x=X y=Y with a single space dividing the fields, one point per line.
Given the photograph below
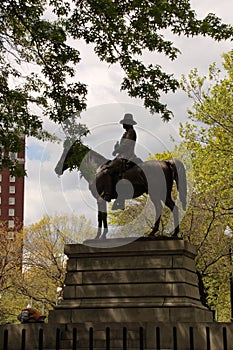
x=12 y=195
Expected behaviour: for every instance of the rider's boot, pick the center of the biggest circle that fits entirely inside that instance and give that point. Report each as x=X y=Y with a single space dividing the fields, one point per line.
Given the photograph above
x=119 y=204
x=107 y=193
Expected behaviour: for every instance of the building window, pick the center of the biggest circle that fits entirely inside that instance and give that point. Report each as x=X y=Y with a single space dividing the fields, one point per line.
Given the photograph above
x=12 y=189
x=1 y=153
x=12 y=178
x=11 y=212
x=11 y=223
x=0 y=189
x=0 y=177
x=11 y=200
x=12 y=155
x=11 y=235
x=0 y=200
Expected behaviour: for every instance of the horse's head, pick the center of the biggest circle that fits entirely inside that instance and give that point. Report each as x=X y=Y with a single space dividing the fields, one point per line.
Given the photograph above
x=60 y=168
x=72 y=156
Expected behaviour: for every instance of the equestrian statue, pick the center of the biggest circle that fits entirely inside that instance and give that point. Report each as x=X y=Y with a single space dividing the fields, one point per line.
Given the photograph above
x=103 y=176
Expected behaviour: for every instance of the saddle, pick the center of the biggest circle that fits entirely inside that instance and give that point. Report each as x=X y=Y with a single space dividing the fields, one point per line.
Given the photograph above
x=112 y=172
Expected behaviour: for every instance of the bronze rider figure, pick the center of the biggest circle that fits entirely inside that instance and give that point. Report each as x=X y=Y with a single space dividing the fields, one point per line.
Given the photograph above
x=125 y=159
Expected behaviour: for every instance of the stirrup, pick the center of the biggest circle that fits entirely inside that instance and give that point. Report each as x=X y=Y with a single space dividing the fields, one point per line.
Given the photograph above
x=106 y=196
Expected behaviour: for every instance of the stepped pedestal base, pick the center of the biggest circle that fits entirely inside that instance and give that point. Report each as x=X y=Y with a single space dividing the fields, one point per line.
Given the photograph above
x=143 y=281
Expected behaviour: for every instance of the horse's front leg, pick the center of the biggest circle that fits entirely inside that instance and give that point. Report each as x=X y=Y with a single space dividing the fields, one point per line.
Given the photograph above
x=102 y=218
x=99 y=231
x=104 y=221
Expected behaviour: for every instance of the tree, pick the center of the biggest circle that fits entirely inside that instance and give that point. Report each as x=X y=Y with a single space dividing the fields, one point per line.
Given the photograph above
x=137 y=218
x=10 y=270
x=210 y=142
x=211 y=210
x=120 y=31
x=10 y=257
x=44 y=262
x=28 y=38
x=37 y=274
x=207 y=137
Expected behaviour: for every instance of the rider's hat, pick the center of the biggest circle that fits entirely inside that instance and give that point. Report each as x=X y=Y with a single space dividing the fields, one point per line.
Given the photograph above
x=128 y=119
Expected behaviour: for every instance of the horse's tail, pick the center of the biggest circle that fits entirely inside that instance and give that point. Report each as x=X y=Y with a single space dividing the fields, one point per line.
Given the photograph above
x=179 y=175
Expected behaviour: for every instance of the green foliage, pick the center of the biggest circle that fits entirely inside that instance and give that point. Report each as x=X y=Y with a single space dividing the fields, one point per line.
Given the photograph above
x=211 y=210
x=10 y=256
x=41 y=270
x=121 y=31
x=28 y=41
x=137 y=218
x=207 y=140
x=10 y=269
x=44 y=260
x=11 y=304
x=211 y=146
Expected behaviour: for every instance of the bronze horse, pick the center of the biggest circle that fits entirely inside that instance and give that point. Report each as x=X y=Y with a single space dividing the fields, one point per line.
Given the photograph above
x=152 y=177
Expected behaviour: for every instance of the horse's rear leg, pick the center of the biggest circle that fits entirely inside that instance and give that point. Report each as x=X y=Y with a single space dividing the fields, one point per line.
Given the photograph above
x=175 y=212
x=155 y=228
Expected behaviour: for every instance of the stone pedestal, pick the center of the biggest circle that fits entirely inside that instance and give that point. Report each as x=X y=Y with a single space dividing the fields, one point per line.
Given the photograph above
x=143 y=281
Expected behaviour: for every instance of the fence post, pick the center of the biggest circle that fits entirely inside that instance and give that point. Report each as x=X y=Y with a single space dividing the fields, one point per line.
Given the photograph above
x=107 y=338
x=124 y=338
x=41 y=339
x=74 y=339
x=5 y=339
x=158 y=338
x=224 y=334
x=208 y=338
x=91 y=339
x=23 y=339
x=174 y=338
x=191 y=340
x=141 y=340
x=58 y=339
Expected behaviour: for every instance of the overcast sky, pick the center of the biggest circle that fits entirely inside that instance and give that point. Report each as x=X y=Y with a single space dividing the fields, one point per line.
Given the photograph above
x=45 y=193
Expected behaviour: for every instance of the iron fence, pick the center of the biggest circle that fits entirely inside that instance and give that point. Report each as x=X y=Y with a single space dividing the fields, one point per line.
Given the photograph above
x=23 y=340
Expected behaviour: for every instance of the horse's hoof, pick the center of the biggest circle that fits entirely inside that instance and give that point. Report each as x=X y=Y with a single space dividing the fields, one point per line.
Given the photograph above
x=104 y=235
x=98 y=235
x=151 y=235
x=175 y=236
x=103 y=238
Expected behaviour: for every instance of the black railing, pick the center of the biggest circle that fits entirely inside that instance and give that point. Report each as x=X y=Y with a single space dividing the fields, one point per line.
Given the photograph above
x=224 y=333
x=58 y=339
x=139 y=339
x=191 y=338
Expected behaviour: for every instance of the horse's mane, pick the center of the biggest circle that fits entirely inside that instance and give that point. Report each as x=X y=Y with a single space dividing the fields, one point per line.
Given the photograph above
x=91 y=162
x=97 y=158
